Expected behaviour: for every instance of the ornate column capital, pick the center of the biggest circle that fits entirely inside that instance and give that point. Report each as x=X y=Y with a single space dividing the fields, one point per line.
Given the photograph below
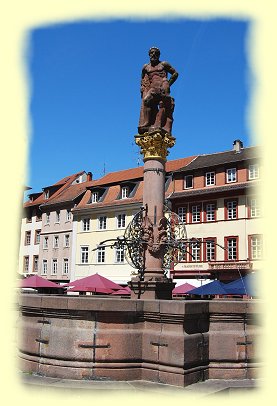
x=155 y=145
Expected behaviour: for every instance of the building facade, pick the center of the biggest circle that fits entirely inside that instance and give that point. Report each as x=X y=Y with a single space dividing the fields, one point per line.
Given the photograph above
x=57 y=239
x=46 y=229
x=217 y=196
x=104 y=212
x=31 y=223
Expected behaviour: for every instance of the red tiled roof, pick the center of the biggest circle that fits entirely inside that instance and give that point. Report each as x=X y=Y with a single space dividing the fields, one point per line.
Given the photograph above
x=64 y=184
x=69 y=179
x=136 y=173
x=39 y=200
x=220 y=158
x=68 y=194
x=110 y=198
x=117 y=177
x=175 y=164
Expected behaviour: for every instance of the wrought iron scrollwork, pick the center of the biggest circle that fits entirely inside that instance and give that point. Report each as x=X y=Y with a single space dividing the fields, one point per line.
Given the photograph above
x=133 y=237
x=176 y=241
x=171 y=242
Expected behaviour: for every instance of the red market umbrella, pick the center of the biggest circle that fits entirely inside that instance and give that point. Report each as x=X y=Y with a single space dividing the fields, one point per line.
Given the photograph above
x=182 y=289
x=90 y=289
x=123 y=291
x=93 y=283
x=36 y=282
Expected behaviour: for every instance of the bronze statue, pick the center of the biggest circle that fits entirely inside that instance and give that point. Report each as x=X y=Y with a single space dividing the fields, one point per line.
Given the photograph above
x=157 y=105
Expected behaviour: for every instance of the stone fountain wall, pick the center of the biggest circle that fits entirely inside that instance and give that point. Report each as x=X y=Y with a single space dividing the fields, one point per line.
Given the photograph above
x=172 y=342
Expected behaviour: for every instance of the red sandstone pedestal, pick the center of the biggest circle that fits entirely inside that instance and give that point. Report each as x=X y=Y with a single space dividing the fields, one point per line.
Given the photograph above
x=154 y=147
x=152 y=289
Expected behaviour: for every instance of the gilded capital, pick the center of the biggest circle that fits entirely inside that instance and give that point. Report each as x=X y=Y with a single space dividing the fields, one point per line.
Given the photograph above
x=155 y=145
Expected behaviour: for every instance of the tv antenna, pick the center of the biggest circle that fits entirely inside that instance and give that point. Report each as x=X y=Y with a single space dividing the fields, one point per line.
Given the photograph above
x=139 y=161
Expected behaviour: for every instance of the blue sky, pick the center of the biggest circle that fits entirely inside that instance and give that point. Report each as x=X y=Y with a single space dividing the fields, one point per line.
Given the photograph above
x=85 y=91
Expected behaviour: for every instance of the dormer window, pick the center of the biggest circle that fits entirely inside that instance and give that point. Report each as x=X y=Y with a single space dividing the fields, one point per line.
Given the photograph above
x=188 y=182
x=210 y=178
x=124 y=192
x=253 y=171
x=94 y=197
x=231 y=175
x=97 y=194
x=46 y=194
x=127 y=189
x=79 y=179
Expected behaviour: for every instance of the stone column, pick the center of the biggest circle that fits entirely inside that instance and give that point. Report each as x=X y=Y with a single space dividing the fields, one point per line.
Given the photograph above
x=154 y=147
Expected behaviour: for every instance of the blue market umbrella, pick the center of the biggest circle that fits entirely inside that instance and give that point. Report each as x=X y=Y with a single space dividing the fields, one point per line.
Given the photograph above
x=212 y=288
x=242 y=286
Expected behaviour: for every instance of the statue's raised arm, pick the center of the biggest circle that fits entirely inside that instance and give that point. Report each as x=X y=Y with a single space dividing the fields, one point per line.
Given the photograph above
x=157 y=105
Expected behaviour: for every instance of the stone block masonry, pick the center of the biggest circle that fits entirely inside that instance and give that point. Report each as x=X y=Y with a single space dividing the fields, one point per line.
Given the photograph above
x=171 y=342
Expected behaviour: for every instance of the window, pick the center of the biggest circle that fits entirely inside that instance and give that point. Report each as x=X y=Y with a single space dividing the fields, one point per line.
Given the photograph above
x=68 y=215
x=124 y=192
x=58 y=216
x=231 y=175
x=66 y=240
x=231 y=210
x=27 y=237
x=101 y=255
x=182 y=213
x=84 y=255
x=231 y=244
x=44 y=267
x=195 y=251
x=65 y=266
x=26 y=264
x=47 y=218
x=255 y=210
x=210 y=211
x=209 y=249
x=56 y=241
x=94 y=197
x=54 y=267
x=195 y=213
x=37 y=236
x=45 y=243
x=86 y=224
x=46 y=194
x=38 y=215
x=102 y=223
x=188 y=182
x=253 y=171
x=35 y=263
x=210 y=178
x=256 y=247
x=121 y=219
x=119 y=255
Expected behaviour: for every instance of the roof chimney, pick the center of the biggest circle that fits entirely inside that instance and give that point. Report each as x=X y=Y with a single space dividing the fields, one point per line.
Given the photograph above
x=89 y=176
x=237 y=146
